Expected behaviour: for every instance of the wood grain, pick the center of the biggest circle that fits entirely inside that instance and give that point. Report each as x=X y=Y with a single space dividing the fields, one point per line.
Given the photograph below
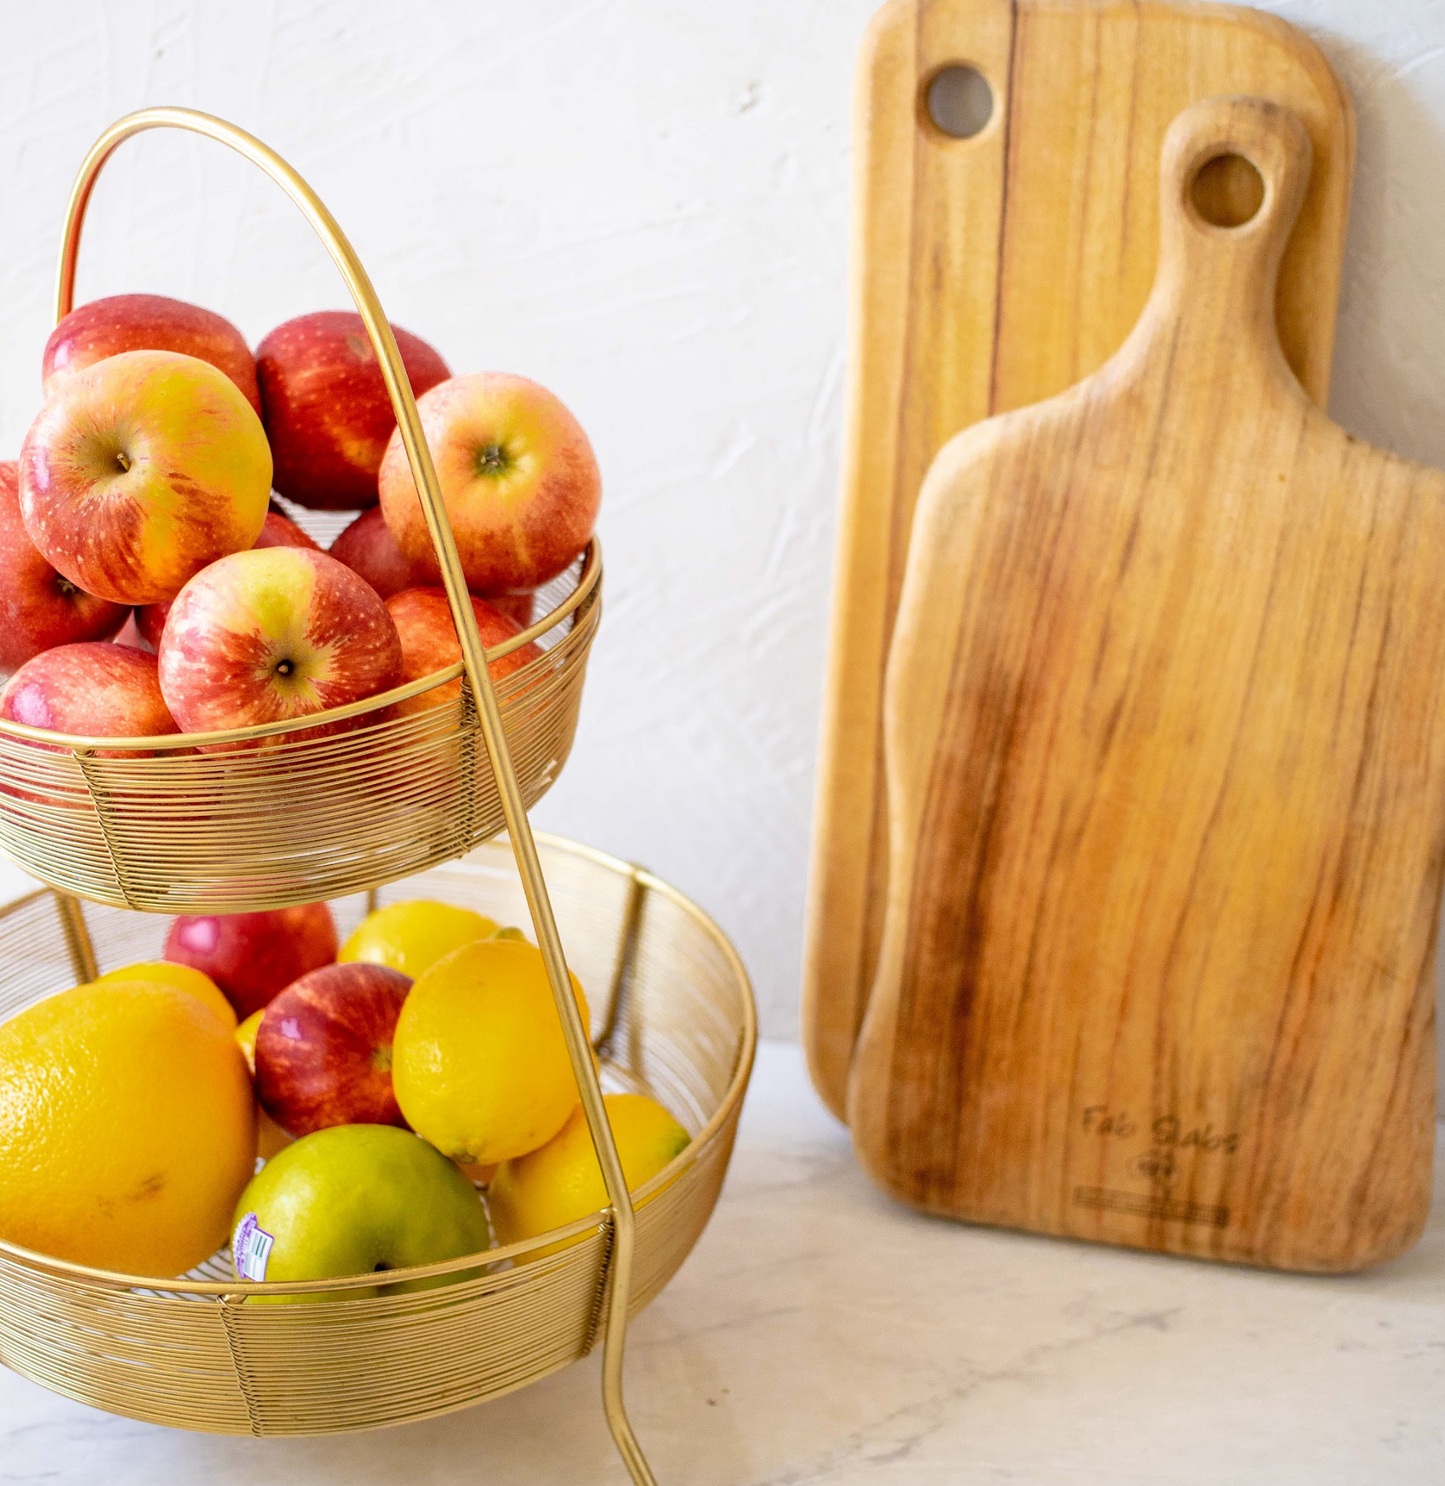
x=988 y=274
x=1166 y=771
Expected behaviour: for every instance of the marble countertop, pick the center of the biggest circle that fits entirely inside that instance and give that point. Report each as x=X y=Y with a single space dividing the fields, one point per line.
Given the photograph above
x=821 y=1334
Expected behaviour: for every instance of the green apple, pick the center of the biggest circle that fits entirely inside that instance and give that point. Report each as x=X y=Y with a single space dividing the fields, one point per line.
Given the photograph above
x=355 y=1199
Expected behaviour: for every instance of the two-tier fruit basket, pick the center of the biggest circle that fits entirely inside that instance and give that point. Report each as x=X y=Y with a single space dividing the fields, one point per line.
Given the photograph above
x=263 y=817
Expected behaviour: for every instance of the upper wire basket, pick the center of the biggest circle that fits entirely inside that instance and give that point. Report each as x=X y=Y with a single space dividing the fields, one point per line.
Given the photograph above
x=263 y=818
x=284 y=813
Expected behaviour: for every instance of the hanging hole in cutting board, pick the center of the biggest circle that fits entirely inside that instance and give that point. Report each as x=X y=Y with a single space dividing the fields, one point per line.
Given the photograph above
x=958 y=101
x=1227 y=191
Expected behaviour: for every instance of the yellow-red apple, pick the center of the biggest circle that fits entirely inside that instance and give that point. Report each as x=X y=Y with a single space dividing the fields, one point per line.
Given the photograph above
x=271 y=634
x=95 y=688
x=140 y=471
x=39 y=608
x=147 y=322
x=518 y=478
x=429 y=643
x=276 y=531
x=326 y=407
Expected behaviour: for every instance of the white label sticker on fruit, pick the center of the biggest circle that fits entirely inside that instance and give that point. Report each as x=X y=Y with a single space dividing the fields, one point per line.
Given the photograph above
x=251 y=1248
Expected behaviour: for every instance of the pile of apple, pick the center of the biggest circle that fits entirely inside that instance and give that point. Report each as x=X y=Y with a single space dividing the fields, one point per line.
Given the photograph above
x=143 y=493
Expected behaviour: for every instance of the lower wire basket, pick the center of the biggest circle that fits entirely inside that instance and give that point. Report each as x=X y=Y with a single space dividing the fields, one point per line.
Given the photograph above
x=674 y=1017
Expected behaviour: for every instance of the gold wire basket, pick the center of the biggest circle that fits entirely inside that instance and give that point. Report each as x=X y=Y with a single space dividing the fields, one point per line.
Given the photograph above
x=214 y=823
x=266 y=820
x=674 y=1018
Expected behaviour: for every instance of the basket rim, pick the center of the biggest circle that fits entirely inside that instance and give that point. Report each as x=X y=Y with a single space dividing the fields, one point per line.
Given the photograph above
x=238 y=1289
x=586 y=586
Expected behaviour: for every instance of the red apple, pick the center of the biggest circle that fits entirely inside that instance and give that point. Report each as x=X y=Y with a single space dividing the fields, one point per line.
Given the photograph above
x=282 y=632
x=39 y=608
x=281 y=531
x=367 y=547
x=323 y=1049
x=147 y=322
x=518 y=478
x=518 y=604
x=150 y=620
x=326 y=407
x=276 y=531
x=140 y=471
x=97 y=689
x=429 y=643
x=252 y=956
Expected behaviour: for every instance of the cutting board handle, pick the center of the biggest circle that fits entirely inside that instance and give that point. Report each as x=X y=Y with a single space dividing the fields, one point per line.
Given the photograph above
x=1224 y=270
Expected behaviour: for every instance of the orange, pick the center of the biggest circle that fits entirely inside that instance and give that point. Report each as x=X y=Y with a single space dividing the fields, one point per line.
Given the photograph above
x=182 y=977
x=126 y=1128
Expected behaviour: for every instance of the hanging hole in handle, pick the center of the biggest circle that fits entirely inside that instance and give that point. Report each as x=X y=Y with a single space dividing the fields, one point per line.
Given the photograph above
x=1227 y=191
x=958 y=101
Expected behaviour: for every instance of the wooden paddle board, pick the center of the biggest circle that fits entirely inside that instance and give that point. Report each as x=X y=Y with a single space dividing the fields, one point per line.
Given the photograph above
x=989 y=273
x=1165 y=734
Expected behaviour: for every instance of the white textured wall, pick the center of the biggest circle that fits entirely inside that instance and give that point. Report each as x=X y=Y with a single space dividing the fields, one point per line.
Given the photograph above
x=643 y=204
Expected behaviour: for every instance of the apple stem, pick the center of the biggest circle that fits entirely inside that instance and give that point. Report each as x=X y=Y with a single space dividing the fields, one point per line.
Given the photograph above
x=123 y=460
x=492 y=459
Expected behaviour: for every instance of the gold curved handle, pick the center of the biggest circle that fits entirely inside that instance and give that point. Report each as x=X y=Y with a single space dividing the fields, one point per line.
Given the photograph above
x=474 y=660
x=378 y=328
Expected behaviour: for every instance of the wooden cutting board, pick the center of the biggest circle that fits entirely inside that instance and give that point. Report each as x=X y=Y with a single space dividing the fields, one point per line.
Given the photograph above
x=1165 y=733
x=992 y=272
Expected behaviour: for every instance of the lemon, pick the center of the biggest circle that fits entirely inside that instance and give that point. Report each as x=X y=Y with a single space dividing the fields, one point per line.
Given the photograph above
x=126 y=1128
x=246 y=1038
x=183 y=978
x=270 y=1137
x=413 y=936
x=478 y=1062
x=562 y=1181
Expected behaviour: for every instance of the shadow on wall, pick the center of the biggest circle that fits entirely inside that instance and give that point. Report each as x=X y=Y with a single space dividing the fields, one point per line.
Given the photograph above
x=1389 y=372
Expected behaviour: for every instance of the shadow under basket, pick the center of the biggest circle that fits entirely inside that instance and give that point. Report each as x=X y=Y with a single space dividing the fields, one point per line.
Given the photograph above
x=674 y=1018
x=265 y=817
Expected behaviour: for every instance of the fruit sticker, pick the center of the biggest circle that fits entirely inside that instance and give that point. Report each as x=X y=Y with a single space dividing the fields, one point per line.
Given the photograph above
x=251 y=1248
